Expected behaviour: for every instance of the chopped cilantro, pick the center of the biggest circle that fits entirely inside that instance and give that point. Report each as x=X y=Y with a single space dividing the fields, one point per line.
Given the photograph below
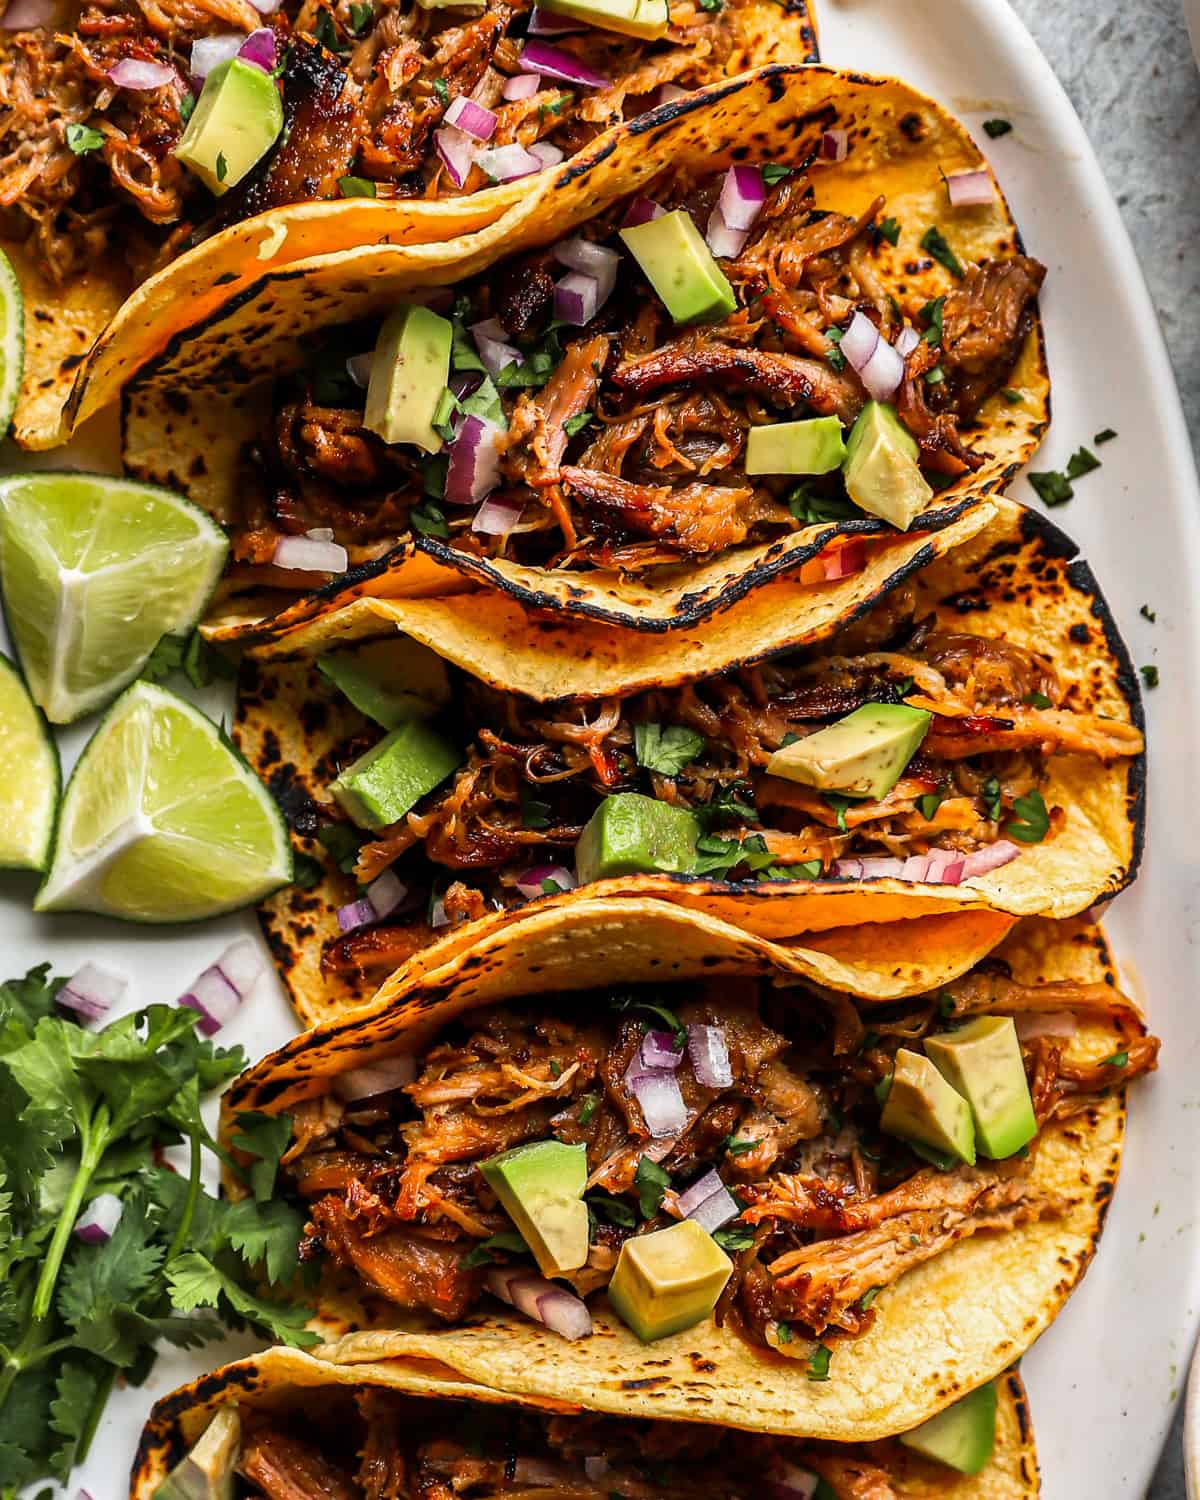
x=712 y=5
x=306 y=872
x=360 y=16
x=551 y=887
x=222 y=167
x=356 y=187
x=1081 y=462
x=809 y=869
x=1032 y=821
x=83 y=138
x=187 y=107
x=718 y=856
x=442 y=89
x=1117 y=1060
x=931 y=316
x=946 y=1005
x=633 y=1001
x=652 y=1184
x=342 y=844
x=739 y=1145
x=666 y=748
x=735 y=1237
x=728 y=807
x=783 y=1333
x=1148 y=614
x=326 y=32
x=928 y=805
x=1014 y=398
x=818 y=1362
x=889 y=230
x=992 y=798
x=576 y=424
x=1037 y=700
x=189 y=654
x=935 y=376
x=534 y=814
x=835 y=356
x=935 y=243
x=1106 y=435
x=429 y=519
x=1149 y=676
x=996 y=128
x=484 y=1253
x=812 y=508
x=773 y=173
x=868 y=1297
x=839 y=804
x=612 y=1210
x=588 y=1108
x=1053 y=488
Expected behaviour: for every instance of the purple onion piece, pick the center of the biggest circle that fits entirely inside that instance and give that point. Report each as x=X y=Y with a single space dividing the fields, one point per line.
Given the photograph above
x=471 y=118
x=742 y=197
x=543 y=24
x=523 y=86
x=507 y=163
x=834 y=145
x=305 y=554
x=659 y=1098
x=259 y=49
x=554 y=62
x=497 y=517
x=140 y=75
x=725 y=243
x=355 y=914
x=494 y=350
x=709 y=1056
x=548 y=155
x=859 y=340
x=209 y=51
x=564 y=1313
x=659 y=1050
x=883 y=372
x=222 y=987
x=91 y=992
x=473 y=471
x=576 y=299
x=597 y=261
x=375 y=1078
x=640 y=211
x=97 y=1223
x=982 y=861
x=457 y=152
x=906 y=341
x=716 y=1210
x=969 y=189
x=531 y=883
x=701 y=1190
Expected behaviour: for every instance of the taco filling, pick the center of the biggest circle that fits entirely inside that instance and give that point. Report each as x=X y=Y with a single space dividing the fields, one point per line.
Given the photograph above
x=140 y=127
x=772 y=1158
x=657 y=388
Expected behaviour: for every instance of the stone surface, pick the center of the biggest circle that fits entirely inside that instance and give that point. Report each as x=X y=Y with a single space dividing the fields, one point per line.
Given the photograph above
x=1131 y=75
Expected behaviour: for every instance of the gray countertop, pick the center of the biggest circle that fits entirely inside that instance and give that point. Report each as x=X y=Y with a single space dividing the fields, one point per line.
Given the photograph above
x=1131 y=75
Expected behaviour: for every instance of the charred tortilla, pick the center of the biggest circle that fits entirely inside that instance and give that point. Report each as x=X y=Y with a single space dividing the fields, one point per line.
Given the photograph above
x=423 y=1413
x=630 y=532
x=1017 y=1248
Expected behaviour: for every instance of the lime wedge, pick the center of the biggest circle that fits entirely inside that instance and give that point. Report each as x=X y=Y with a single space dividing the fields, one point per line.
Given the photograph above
x=12 y=341
x=96 y=571
x=162 y=820
x=29 y=777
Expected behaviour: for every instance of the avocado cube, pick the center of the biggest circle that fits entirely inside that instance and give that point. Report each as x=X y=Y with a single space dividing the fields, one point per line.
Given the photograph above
x=922 y=1107
x=881 y=470
x=644 y=18
x=963 y=1436
x=668 y=1280
x=813 y=446
x=236 y=121
x=680 y=268
x=382 y=785
x=390 y=681
x=540 y=1186
x=982 y=1062
x=409 y=371
x=630 y=834
x=207 y=1473
x=862 y=755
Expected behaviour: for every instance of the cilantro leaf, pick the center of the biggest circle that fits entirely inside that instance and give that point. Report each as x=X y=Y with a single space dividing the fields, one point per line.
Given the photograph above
x=356 y=187
x=666 y=748
x=818 y=1363
x=934 y=243
x=889 y=229
x=1032 y=820
x=811 y=507
x=31 y=998
x=576 y=424
x=83 y=138
x=773 y=172
x=1052 y=487
x=194 y=1281
x=429 y=519
x=928 y=805
x=652 y=1184
x=992 y=798
x=483 y=1253
x=612 y=1209
x=266 y=1137
x=1150 y=675
x=265 y=1233
x=1081 y=462
x=1105 y=435
x=734 y=1237
x=997 y=128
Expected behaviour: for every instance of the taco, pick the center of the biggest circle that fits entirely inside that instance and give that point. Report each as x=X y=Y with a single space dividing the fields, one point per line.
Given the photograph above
x=135 y=132
x=725 y=1221
x=972 y=740
x=589 y=436
x=294 y=1427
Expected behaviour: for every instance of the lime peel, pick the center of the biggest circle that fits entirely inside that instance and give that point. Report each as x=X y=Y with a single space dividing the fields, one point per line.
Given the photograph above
x=30 y=778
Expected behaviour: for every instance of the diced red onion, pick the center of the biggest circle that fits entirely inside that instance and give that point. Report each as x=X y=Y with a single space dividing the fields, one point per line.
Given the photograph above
x=992 y=857
x=561 y=1311
x=548 y=155
x=843 y=560
x=701 y=1190
x=907 y=341
x=523 y=86
x=137 y=73
x=259 y=49
x=497 y=517
x=96 y=1224
x=658 y=1050
x=565 y=1314
x=915 y=867
x=859 y=341
x=457 y=152
x=883 y=372
x=24 y=15
x=266 y=7
x=595 y=1467
x=355 y=914
x=380 y=899
x=873 y=868
x=966 y=189
x=91 y=991
x=834 y=145
x=220 y=990
x=1046 y=1023
x=716 y=1211
x=471 y=118
x=543 y=24
x=742 y=197
x=640 y=211
x=553 y=62
x=310 y=555
x=590 y=259
x=474 y=468
x=507 y=163
x=494 y=350
x=667 y=93
x=945 y=867
x=576 y=299
x=358 y=367
x=375 y=1078
x=709 y=1056
x=792 y=1483
x=530 y=883
x=437 y=913
x=209 y=51
x=657 y=1093
x=725 y=243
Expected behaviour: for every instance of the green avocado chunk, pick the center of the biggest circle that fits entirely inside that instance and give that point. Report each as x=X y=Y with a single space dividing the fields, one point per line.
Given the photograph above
x=409 y=370
x=390 y=681
x=680 y=268
x=630 y=834
x=881 y=470
x=922 y=1107
x=382 y=785
x=668 y=1280
x=540 y=1186
x=207 y=1473
x=982 y=1062
x=962 y=1437
x=863 y=755
x=236 y=121
x=644 y=18
x=813 y=446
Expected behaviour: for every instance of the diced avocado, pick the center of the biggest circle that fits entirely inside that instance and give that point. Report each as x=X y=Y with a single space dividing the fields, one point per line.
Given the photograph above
x=236 y=121
x=881 y=470
x=963 y=1436
x=680 y=268
x=207 y=1473
x=863 y=755
x=409 y=370
x=629 y=834
x=813 y=446
x=644 y=18
x=982 y=1062
x=668 y=1280
x=922 y=1107
x=382 y=785
x=540 y=1186
x=390 y=681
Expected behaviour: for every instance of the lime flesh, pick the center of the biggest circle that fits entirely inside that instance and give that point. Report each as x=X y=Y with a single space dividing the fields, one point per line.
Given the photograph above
x=96 y=571
x=162 y=821
x=12 y=341
x=29 y=777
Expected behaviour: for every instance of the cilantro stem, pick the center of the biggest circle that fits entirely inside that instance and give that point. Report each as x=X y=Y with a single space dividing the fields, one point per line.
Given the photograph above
x=94 y=1136
x=180 y=1238
x=100 y=1401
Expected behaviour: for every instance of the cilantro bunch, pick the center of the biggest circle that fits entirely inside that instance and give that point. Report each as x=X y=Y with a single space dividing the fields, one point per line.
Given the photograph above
x=83 y=1113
